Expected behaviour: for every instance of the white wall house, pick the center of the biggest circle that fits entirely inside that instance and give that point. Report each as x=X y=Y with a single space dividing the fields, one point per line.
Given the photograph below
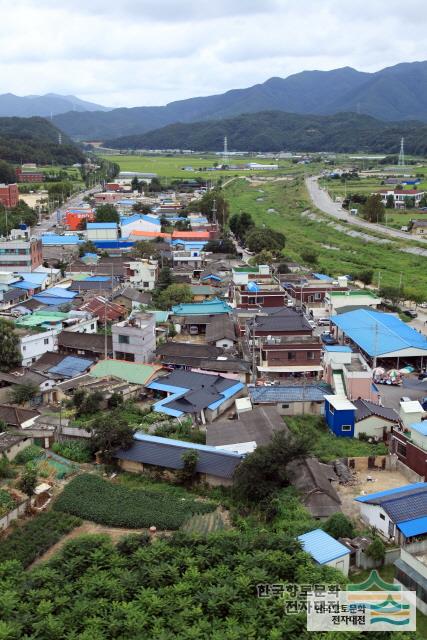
x=139 y=223
x=101 y=231
x=34 y=344
x=83 y=325
x=142 y=274
x=375 y=516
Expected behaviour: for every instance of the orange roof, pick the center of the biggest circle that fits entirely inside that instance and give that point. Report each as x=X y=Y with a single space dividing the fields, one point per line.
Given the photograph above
x=191 y=235
x=150 y=234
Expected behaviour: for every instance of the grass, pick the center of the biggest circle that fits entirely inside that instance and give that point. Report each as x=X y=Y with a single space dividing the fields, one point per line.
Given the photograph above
x=93 y=498
x=337 y=252
x=203 y=524
x=327 y=446
x=172 y=166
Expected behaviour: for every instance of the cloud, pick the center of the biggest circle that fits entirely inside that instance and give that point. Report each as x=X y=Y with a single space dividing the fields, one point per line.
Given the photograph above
x=153 y=52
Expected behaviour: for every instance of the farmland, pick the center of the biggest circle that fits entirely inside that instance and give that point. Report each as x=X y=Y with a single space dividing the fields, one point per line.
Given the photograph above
x=92 y=498
x=337 y=252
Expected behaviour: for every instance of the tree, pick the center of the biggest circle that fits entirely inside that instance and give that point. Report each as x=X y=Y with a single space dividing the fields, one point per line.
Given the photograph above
x=339 y=526
x=110 y=433
x=10 y=355
x=240 y=224
x=213 y=204
x=172 y=295
x=165 y=279
x=365 y=276
x=139 y=207
x=373 y=210
x=309 y=256
x=423 y=201
x=264 y=257
x=390 y=293
x=283 y=268
x=259 y=238
x=145 y=249
x=135 y=184
x=22 y=393
x=87 y=247
x=155 y=185
x=389 y=201
x=409 y=202
x=220 y=246
x=7 y=173
x=115 y=400
x=263 y=472
x=107 y=213
x=187 y=474
x=376 y=550
x=28 y=481
x=90 y=403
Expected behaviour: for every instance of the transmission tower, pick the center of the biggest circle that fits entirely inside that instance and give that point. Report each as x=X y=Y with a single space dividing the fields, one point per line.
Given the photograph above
x=59 y=138
x=225 y=152
x=401 y=161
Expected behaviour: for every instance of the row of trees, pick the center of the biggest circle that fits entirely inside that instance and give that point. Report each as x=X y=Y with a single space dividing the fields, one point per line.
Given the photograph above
x=256 y=239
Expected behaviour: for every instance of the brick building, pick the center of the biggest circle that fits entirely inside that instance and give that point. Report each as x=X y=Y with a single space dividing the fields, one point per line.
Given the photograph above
x=9 y=195
x=29 y=174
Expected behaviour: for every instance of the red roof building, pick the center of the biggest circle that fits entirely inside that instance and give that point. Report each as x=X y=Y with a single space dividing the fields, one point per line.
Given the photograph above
x=74 y=218
x=104 y=309
x=29 y=175
x=9 y=195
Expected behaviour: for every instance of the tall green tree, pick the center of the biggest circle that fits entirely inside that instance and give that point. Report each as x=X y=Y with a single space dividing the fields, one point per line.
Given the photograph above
x=172 y=295
x=7 y=173
x=373 y=210
x=10 y=354
x=165 y=279
x=107 y=213
x=22 y=393
x=109 y=433
x=259 y=239
x=389 y=201
x=28 y=480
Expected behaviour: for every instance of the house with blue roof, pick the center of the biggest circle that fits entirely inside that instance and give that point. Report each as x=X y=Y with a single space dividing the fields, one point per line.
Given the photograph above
x=292 y=399
x=398 y=514
x=214 y=466
x=209 y=307
x=102 y=231
x=382 y=336
x=139 y=222
x=56 y=240
x=325 y=550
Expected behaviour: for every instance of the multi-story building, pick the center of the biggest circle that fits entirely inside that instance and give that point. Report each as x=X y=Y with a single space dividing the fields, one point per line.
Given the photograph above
x=29 y=173
x=9 y=195
x=142 y=274
x=34 y=343
x=400 y=197
x=20 y=255
x=134 y=340
x=75 y=217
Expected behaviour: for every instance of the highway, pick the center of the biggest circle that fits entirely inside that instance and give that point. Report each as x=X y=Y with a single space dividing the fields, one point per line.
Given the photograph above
x=322 y=200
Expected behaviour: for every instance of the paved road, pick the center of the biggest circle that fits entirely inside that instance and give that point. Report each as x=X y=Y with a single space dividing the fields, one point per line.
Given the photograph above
x=324 y=202
x=71 y=203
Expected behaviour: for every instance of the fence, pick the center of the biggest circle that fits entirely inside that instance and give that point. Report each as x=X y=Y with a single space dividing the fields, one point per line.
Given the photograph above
x=14 y=514
x=365 y=562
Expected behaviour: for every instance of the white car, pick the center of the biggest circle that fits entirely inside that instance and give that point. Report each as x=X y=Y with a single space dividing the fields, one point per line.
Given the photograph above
x=311 y=323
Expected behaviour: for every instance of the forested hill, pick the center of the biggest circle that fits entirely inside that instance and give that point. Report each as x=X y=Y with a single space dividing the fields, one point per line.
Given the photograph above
x=35 y=140
x=276 y=130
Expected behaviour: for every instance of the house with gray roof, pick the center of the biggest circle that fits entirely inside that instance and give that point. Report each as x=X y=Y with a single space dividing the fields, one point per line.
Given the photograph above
x=292 y=399
x=373 y=419
x=214 y=466
x=314 y=481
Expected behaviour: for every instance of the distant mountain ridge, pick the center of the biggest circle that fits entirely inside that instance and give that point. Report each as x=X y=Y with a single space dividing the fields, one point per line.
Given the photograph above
x=44 y=106
x=391 y=94
x=276 y=130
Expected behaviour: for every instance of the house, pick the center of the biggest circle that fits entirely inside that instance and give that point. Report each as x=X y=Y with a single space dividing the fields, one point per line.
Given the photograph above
x=337 y=300
x=20 y=255
x=401 y=196
x=101 y=231
x=134 y=340
x=18 y=417
x=186 y=354
x=253 y=428
x=221 y=331
x=84 y=344
x=188 y=257
x=11 y=444
x=398 y=514
x=33 y=343
x=131 y=372
x=201 y=292
x=106 y=310
x=142 y=274
x=373 y=420
x=55 y=296
x=29 y=173
x=325 y=550
x=214 y=466
x=11 y=297
x=201 y=395
x=381 y=336
x=409 y=443
x=348 y=373
x=418 y=227
x=291 y=399
x=340 y=415
x=139 y=222
x=410 y=412
x=132 y=299
x=210 y=307
x=75 y=219
x=312 y=292
x=313 y=480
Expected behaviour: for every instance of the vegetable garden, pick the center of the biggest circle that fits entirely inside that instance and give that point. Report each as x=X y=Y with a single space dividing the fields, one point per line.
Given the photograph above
x=92 y=498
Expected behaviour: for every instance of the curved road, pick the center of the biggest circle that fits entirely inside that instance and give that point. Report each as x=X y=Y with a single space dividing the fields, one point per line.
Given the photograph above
x=322 y=200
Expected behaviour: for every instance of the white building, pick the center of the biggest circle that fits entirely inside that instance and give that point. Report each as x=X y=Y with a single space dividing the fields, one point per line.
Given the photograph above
x=142 y=274
x=34 y=344
x=139 y=222
x=134 y=340
x=193 y=258
x=325 y=550
x=101 y=231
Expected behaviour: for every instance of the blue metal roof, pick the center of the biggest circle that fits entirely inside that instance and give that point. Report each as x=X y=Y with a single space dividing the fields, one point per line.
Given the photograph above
x=415 y=527
x=379 y=333
x=35 y=278
x=97 y=279
x=322 y=276
x=288 y=393
x=340 y=348
x=181 y=443
x=101 y=225
x=23 y=284
x=71 y=366
x=420 y=427
x=213 y=306
x=391 y=492
x=58 y=292
x=55 y=239
x=322 y=547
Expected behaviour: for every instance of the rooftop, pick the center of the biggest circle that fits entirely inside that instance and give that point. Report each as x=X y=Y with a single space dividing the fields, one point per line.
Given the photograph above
x=256 y=425
x=340 y=403
x=289 y=393
x=322 y=547
x=199 y=308
x=129 y=371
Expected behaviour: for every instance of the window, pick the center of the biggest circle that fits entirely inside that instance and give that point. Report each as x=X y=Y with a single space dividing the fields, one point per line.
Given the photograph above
x=382 y=516
x=46 y=341
x=331 y=409
x=24 y=348
x=92 y=326
x=311 y=355
x=292 y=355
x=145 y=285
x=120 y=355
x=285 y=406
x=346 y=427
x=123 y=339
x=317 y=295
x=400 y=449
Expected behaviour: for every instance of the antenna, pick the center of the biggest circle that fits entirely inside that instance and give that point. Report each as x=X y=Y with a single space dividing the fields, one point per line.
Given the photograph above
x=401 y=161
x=225 y=152
x=59 y=138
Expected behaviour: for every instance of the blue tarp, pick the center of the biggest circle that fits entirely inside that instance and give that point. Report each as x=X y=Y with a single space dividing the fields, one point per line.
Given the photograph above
x=71 y=366
x=416 y=527
x=97 y=279
x=253 y=287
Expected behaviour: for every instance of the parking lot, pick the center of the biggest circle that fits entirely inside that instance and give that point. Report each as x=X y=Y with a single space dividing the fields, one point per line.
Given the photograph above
x=412 y=388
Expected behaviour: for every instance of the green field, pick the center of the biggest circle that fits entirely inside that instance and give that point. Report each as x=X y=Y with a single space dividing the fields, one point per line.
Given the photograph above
x=172 y=166
x=337 y=252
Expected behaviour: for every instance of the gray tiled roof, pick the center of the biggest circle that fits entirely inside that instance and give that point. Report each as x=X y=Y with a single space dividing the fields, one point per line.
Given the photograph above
x=405 y=505
x=289 y=393
x=166 y=455
x=365 y=408
x=185 y=349
x=285 y=319
x=257 y=426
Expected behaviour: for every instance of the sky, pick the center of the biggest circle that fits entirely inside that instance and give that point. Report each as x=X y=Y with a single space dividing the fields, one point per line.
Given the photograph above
x=151 y=52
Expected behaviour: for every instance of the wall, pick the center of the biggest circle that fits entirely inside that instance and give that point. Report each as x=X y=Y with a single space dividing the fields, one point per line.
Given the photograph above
x=34 y=345
x=297 y=408
x=370 y=513
x=13 y=451
x=84 y=326
x=363 y=561
x=225 y=343
x=341 y=564
x=338 y=419
x=373 y=426
x=142 y=340
x=14 y=514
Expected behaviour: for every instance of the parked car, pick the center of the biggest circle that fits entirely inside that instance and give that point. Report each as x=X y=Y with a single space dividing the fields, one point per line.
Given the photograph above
x=328 y=339
x=323 y=322
x=410 y=313
x=311 y=323
x=422 y=375
x=405 y=399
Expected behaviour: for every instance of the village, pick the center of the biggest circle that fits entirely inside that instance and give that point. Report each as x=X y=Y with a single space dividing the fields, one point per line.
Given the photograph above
x=162 y=319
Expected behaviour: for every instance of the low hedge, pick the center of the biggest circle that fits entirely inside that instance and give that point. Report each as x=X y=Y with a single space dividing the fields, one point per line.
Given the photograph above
x=93 y=498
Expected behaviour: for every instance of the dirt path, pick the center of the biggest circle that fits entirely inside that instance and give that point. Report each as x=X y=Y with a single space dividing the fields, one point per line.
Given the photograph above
x=115 y=534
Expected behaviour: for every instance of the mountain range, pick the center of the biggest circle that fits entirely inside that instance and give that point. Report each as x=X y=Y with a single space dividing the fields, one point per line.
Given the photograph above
x=391 y=94
x=276 y=130
x=45 y=106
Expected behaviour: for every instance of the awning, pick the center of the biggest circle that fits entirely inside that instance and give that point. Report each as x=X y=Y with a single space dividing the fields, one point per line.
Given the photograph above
x=415 y=527
x=295 y=369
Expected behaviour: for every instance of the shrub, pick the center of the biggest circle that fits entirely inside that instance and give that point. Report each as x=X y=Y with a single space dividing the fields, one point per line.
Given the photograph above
x=36 y=536
x=92 y=498
x=77 y=451
x=339 y=526
x=28 y=454
x=7 y=503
